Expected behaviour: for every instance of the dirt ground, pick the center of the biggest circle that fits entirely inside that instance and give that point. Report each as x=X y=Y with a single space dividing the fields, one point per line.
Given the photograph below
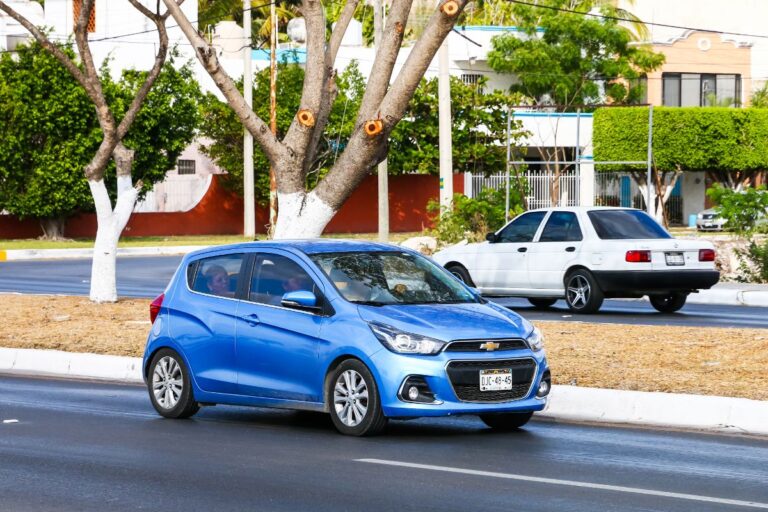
x=706 y=361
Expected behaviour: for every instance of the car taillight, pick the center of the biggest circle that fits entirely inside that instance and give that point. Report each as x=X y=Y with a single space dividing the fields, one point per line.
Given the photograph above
x=638 y=256
x=154 y=308
x=706 y=255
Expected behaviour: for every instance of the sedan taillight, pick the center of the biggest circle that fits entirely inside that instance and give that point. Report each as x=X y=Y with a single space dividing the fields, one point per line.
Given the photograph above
x=638 y=256
x=706 y=255
x=154 y=308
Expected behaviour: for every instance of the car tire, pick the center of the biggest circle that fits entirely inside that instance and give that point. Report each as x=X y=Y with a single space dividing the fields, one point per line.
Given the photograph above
x=668 y=303
x=169 y=386
x=582 y=293
x=541 y=303
x=353 y=400
x=507 y=421
x=461 y=273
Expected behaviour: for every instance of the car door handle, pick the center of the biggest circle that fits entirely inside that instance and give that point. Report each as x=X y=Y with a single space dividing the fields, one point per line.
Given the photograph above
x=522 y=249
x=251 y=319
x=570 y=249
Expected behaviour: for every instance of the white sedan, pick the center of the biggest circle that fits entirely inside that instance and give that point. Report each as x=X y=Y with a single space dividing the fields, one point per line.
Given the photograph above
x=584 y=255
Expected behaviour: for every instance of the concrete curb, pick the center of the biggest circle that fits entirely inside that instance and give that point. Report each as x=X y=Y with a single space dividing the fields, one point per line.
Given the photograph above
x=64 y=254
x=569 y=403
x=731 y=296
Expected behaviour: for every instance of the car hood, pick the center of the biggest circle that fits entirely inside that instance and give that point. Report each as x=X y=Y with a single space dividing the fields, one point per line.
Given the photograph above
x=451 y=321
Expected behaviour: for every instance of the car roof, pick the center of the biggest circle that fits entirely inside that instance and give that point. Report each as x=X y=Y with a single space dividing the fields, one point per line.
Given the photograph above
x=580 y=208
x=311 y=246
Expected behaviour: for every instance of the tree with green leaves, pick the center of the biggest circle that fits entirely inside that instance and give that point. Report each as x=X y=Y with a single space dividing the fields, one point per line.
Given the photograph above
x=566 y=58
x=49 y=132
x=478 y=134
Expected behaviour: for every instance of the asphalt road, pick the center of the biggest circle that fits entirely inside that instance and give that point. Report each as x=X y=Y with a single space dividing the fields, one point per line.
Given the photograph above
x=148 y=276
x=81 y=446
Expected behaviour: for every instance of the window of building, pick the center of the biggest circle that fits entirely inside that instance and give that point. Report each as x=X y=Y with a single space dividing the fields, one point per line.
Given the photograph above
x=186 y=166
x=471 y=78
x=701 y=90
x=76 y=7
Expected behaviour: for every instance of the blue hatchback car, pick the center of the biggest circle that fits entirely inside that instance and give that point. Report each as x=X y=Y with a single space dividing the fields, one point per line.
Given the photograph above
x=363 y=331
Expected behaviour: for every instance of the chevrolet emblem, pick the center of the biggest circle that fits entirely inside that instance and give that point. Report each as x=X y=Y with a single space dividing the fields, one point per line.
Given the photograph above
x=490 y=346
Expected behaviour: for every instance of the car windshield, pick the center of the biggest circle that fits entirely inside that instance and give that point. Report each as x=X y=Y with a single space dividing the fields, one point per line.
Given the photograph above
x=625 y=224
x=386 y=277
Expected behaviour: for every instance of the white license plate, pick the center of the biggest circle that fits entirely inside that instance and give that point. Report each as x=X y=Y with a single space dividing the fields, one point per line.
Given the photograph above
x=496 y=380
x=675 y=259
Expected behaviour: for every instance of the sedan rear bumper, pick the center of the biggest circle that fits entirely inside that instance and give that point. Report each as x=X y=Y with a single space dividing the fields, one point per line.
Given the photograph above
x=650 y=282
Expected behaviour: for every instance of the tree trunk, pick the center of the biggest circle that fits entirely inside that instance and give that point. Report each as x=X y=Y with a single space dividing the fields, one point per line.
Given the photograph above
x=301 y=215
x=53 y=228
x=110 y=224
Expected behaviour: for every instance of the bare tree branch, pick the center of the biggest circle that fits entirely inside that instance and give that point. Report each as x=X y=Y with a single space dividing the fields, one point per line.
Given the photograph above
x=384 y=63
x=363 y=151
x=300 y=133
x=162 y=52
x=273 y=148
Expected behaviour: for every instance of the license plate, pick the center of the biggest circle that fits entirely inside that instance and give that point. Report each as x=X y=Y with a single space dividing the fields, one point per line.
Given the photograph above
x=675 y=259
x=496 y=380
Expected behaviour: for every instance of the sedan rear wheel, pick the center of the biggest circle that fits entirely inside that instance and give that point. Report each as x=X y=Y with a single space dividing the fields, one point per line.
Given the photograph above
x=668 y=303
x=355 y=407
x=582 y=293
x=170 y=388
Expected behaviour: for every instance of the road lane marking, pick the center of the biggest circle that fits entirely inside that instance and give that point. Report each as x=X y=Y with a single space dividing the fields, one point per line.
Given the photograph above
x=10 y=421
x=568 y=483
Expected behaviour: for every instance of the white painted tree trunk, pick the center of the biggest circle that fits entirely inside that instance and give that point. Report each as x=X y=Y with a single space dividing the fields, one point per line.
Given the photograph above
x=110 y=224
x=301 y=215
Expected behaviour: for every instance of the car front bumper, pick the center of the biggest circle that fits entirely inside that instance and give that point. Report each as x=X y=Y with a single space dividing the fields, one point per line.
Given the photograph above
x=644 y=282
x=393 y=369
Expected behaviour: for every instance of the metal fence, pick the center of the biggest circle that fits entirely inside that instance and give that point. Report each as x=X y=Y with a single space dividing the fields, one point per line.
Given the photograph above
x=538 y=186
x=620 y=189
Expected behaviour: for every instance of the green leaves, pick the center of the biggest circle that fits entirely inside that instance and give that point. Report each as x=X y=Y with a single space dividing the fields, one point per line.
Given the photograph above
x=688 y=139
x=571 y=59
x=745 y=211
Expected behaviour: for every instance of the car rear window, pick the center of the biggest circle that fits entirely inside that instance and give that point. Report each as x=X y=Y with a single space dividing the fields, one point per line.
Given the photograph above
x=625 y=225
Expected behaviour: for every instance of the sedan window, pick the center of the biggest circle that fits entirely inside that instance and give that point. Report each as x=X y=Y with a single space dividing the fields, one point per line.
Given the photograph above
x=625 y=225
x=561 y=227
x=523 y=228
x=217 y=275
x=275 y=276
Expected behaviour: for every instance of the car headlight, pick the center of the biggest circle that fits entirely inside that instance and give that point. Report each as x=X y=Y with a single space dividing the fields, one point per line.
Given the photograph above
x=404 y=342
x=535 y=340
x=700 y=216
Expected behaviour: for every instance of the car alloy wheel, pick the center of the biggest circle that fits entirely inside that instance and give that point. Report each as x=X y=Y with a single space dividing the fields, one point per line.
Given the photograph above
x=170 y=388
x=350 y=398
x=355 y=405
x=582 y=293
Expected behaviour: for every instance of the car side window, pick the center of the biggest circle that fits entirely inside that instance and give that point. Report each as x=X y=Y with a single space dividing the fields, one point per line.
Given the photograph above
x=561 y=227
x=522 y=229
x=217 y=275
x=274 y=275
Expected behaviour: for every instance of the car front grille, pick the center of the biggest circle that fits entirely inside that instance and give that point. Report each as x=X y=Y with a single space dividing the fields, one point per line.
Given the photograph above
x=465 y=379
x=481 y=345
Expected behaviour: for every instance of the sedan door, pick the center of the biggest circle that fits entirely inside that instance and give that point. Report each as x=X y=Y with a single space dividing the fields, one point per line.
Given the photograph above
x=502 y=265
x=557 y=248
x=277 y=347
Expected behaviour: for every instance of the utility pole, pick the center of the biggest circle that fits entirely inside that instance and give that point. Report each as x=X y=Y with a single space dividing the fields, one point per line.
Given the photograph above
x=650 y=208
x=272 y=112
x=444 y=113
x=378 y=32
x=249 y=202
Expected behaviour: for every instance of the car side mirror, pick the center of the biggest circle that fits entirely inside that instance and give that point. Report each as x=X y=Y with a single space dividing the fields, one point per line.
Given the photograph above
x=300 y=299
x=492 y=237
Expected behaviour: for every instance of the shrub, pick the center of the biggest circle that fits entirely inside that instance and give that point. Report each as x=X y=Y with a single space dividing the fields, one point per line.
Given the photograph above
x=753 y=267
x=473 y=218
x=742 y=210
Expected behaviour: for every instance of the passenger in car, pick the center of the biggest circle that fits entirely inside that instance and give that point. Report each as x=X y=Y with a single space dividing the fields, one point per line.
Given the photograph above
x=217 y=280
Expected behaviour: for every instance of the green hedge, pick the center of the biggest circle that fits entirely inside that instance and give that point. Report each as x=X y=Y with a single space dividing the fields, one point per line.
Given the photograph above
x=691 y=138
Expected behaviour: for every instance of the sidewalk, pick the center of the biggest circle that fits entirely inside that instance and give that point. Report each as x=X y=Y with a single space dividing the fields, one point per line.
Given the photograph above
x=566 y=403
x=728 y=294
